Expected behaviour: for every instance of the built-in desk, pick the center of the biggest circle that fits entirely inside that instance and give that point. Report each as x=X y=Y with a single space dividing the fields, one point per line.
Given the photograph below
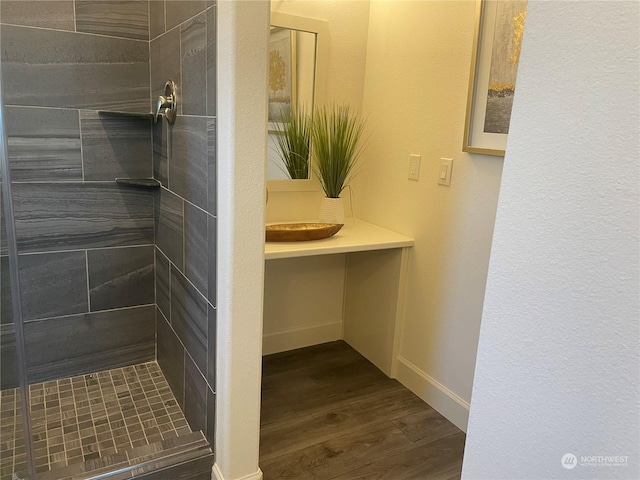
x=374 y=283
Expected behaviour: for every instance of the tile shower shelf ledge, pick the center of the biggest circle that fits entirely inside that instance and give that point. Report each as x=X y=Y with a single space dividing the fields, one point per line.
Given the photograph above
x=124 y=114
x=139 y=182
x=355 y=236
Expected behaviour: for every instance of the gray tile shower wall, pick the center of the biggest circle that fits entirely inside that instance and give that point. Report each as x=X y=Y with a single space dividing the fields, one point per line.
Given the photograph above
x=128 y=19
x=113 y=275
x=183 y=49
x=86 y=244
x=44 y=144
x=94 y=72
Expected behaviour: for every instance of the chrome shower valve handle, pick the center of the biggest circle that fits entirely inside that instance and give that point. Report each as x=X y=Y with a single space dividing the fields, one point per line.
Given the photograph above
x=167 y=102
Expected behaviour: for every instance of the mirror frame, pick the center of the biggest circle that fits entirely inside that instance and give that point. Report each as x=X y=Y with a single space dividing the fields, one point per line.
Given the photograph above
x=321 y=29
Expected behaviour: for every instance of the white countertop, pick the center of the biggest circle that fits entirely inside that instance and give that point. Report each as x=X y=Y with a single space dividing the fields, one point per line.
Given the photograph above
x=355 y=236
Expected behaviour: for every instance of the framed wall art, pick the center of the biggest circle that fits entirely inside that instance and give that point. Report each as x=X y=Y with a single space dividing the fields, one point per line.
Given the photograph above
x=492 y=81
x=282 y=73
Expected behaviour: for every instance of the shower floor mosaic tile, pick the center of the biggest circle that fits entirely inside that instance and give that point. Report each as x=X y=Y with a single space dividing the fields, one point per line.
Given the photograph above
x=89 y=416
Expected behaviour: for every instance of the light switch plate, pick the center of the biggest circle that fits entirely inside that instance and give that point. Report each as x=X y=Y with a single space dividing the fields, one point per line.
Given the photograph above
x=414 y=167
x=444 y=172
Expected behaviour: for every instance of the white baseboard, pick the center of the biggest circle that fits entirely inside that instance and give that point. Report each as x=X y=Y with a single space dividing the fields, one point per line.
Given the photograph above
x=450 y=405
x=216 y=474
x=300 y=337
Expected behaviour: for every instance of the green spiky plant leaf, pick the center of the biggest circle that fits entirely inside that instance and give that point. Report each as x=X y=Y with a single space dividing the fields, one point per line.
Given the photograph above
x=293 y=136
x=335 y=141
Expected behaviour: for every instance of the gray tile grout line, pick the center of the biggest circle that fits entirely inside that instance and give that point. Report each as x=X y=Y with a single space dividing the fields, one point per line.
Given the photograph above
x=135 y=406
x=67 y=182
x=16 y=405
x=93 y=420
x=84 y=249
x=144 y=432
x=164 y=9
x=129 y=432
x=88 y=109
x=87 y=313
x=64 y=444
x=149 y=21
x=206 y=80
x=75 y=20
x=73 y=31
x=120 y=405
x=81 y=143
x=86 y=259
x=117 y=400
x=184 y=241
x=75 y=416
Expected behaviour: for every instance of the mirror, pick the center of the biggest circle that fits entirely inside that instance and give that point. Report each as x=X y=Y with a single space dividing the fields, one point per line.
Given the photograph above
x=297 y=65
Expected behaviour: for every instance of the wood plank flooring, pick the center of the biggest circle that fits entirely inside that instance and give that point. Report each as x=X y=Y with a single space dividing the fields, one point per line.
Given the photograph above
x=328 y=413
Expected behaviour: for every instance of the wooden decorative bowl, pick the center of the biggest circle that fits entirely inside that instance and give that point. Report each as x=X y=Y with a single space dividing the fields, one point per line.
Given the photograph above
x=301 y=232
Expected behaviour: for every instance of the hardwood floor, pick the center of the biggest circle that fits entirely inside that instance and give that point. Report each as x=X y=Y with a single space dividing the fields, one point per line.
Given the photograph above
x=327 y=413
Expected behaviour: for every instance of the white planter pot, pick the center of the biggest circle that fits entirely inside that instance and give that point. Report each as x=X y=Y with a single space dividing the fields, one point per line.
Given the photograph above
x=332 y=210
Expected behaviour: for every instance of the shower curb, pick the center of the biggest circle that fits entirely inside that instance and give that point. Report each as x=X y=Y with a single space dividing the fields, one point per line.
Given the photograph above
x=187 y=457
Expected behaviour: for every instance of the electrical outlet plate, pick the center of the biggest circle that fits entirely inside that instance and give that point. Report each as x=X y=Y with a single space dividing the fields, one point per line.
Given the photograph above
x=444 y=172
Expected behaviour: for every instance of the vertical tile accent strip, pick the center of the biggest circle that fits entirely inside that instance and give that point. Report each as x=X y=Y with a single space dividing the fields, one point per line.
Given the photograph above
x=211 y=61
x=163 y=292
x=196 y=255
x=212 y=242
x=211 y=418
x=169 y=225
x=171 y=357
x=44 y=144
x=121 y=277
x=212 y=190
x=211 y=348
x=114 y=18
x=193 y=41
x=115 y=146
x=156 y=18
x=6 y=308
x=195 y=397
x=164 y=60
x=188 y=159
x=160 y=151
x=189 y=318
x=8 y=354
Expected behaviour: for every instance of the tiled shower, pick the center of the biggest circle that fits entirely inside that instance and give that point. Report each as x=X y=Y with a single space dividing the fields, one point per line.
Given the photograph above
x=117 y=282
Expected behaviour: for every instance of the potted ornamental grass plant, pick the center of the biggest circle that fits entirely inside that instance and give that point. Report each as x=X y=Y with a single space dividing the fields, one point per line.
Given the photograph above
x=293 y=136
x=335 y=142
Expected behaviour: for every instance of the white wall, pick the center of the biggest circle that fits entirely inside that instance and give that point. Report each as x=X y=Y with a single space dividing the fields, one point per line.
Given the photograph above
x=558 y=367
x=242 y=115
x=302 y=302
x=415 y=94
